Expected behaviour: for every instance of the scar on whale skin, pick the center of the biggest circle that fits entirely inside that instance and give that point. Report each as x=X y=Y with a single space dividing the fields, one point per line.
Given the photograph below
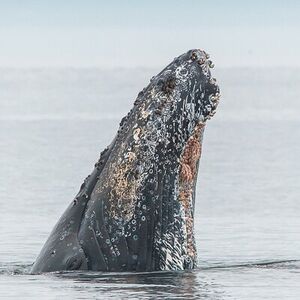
x=135 y=211
x=188 y=172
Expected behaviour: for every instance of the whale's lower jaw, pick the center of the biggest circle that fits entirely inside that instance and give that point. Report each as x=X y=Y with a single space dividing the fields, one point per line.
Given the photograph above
x=177 y=248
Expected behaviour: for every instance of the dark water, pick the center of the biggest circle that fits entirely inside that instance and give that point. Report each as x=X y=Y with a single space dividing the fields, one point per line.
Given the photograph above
x=53 y=125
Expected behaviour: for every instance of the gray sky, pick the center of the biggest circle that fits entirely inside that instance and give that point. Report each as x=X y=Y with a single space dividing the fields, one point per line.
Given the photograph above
x=90 y=33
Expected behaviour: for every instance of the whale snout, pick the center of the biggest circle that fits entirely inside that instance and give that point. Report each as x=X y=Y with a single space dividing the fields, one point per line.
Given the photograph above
x=188 y=84
x=200 y=56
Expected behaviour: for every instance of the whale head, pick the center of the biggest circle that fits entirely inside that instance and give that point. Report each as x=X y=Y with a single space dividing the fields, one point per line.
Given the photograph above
x=143 y=202
x=135 y=212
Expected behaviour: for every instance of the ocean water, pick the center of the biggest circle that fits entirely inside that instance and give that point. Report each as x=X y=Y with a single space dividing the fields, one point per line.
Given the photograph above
x=55 y=122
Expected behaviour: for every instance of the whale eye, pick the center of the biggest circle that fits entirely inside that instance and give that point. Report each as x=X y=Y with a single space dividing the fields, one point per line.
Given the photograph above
x=73 y=263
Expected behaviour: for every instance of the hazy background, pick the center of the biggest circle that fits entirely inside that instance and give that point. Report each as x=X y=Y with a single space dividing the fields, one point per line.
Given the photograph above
x=70 y=70
x=134 y=33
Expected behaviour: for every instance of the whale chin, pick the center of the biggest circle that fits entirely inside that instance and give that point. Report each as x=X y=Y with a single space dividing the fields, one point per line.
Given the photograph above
x=135 y=212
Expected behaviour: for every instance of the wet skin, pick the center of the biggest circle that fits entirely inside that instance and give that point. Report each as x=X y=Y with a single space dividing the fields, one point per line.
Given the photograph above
x=135 y=211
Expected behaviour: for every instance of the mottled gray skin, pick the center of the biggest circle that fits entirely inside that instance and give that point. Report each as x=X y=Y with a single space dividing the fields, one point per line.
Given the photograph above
x=135 y=211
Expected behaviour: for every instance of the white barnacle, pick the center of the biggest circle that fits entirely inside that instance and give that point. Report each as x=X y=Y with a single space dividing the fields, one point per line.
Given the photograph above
x=181 y=72
x=208 y=107
x=214 y=98
x=130 y=156
x=136 y=133
x=145 y=114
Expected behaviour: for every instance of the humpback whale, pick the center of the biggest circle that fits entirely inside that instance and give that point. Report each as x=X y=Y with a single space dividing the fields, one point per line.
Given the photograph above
x=135 y=211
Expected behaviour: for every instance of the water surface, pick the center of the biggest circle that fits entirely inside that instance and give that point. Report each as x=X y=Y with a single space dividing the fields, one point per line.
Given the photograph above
x=54 y=124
